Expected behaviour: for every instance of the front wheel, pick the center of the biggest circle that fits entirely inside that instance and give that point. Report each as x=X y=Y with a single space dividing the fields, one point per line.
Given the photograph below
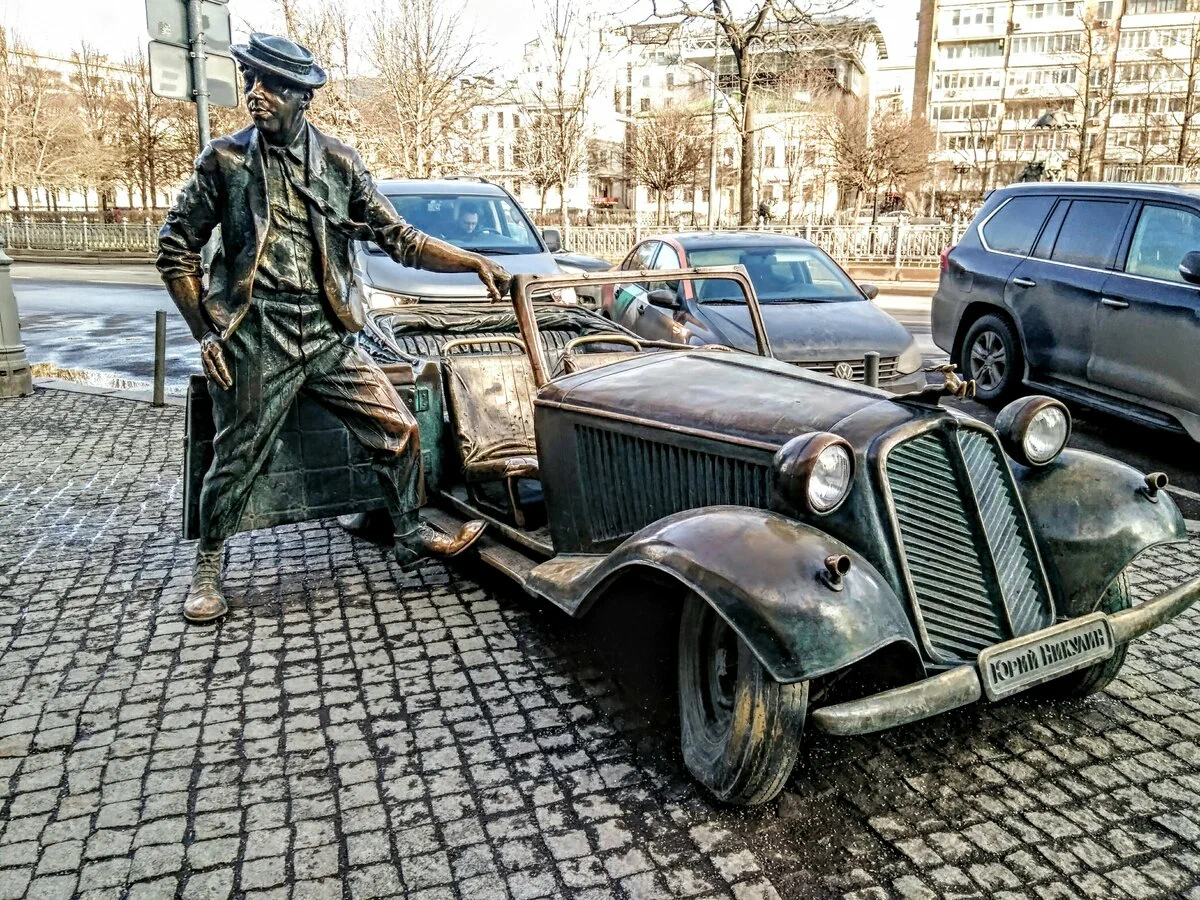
x=740 y=728
x=1095 y=678
x=991 y=357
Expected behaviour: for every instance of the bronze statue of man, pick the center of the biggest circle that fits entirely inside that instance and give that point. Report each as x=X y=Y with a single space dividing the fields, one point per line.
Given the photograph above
x=279 y=317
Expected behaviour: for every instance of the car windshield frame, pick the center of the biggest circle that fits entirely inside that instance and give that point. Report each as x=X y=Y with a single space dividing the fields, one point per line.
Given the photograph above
x=501 y=221
x=752 y=258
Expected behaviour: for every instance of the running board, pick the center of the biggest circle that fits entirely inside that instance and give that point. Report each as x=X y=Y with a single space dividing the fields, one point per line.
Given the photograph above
x=507 y=560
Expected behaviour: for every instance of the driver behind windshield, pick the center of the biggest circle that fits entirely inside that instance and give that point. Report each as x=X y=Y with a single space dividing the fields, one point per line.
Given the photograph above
x=466 y=226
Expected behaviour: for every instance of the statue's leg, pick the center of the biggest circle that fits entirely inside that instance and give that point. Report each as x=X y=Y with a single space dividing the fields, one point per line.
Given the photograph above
x=353 y=386
x=267 y=373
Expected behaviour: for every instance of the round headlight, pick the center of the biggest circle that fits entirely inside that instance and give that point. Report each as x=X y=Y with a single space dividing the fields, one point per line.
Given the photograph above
x=813 y=472
x=1034 y=430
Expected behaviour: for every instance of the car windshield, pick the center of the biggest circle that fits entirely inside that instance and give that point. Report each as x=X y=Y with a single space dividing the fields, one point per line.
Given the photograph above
x=779 y=275
x=479 y=222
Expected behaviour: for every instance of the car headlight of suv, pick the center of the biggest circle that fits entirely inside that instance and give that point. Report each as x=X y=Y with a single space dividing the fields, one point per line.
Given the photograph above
x=814 y=472
x=375 y=298
x=1034 y=430
x=910 y=360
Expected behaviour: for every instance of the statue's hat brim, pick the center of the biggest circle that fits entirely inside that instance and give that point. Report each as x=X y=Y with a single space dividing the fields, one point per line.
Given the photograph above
x=280 y=57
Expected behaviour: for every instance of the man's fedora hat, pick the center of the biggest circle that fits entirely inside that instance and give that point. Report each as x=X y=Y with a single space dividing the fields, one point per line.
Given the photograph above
x=281 y=57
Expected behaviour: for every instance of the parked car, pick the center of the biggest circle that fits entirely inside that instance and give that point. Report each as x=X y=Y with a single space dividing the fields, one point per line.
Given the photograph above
x=838 y=556
x=1088 y=292
x=576 y=263
x=471 y=213
x=816 y=316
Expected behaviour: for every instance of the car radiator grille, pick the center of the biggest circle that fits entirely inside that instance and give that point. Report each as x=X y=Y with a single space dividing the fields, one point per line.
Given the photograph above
x=668 y=479
x=972 y=574
x=887 y=368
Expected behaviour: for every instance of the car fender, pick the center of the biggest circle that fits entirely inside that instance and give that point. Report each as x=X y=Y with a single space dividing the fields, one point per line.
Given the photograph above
x=764 y=574
x=1091 y=516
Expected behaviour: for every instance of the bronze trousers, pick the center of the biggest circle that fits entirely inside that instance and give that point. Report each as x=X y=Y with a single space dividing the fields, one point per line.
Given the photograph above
x=288 y=344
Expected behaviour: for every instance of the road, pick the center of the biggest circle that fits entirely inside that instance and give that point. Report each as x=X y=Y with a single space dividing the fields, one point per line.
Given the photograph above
x=102 y=318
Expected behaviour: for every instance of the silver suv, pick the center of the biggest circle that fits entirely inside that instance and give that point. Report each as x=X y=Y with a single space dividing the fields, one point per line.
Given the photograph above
x=474 y=214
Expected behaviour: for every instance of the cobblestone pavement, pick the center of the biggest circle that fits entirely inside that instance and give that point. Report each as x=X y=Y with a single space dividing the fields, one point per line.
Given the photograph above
x=351 y=731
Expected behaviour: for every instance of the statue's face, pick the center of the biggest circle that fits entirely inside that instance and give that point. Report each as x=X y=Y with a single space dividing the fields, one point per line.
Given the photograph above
x=275 y=105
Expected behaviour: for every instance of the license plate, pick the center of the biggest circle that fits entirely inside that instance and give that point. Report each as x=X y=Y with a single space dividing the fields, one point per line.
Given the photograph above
x=1023 y=662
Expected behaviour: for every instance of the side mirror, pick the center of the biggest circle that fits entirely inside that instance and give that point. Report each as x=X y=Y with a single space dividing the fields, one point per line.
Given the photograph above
x=1190 y=267
x=664 y=298
x=553 y=239
x=871 y=290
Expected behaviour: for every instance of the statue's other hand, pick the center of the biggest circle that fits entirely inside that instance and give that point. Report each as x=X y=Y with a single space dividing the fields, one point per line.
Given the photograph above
x=212 y=356
x=494 y=277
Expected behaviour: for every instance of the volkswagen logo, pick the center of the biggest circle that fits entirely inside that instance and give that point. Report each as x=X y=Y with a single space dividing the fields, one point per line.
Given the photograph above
x=844 y=371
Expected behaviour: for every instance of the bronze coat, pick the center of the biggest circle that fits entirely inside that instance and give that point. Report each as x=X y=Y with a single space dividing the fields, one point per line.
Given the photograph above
x=229 y=190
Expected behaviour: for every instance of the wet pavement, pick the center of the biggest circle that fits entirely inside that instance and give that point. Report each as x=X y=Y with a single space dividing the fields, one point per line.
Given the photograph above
x=354 y=731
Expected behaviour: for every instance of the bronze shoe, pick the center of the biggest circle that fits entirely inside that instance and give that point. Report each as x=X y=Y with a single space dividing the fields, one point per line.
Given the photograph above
x=205 y=601
x=427 y=541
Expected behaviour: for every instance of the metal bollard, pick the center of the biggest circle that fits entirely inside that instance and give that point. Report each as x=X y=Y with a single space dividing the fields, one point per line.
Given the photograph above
x=871 y=368
x=160 y=357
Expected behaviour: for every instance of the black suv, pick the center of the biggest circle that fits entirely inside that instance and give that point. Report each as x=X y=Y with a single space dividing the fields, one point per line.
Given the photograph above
x=1087 y=291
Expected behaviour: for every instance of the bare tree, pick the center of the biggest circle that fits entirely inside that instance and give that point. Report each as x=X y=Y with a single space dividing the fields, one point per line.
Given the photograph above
x=666 y=150
x=564 y=82
x=1093 y=88
x=145 y=123
x=41 y=135
x=98 y=94
x=791 y=29
x=431 y=78
x=881 y=152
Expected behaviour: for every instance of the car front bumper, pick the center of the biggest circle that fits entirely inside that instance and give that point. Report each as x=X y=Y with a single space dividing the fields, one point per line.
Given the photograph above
x=963 y=685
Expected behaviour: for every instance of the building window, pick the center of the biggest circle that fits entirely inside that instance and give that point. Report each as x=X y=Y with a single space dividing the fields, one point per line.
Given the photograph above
x=516 y=120
x=484 y=122
x=499 y=120
x=670 y=80
x=769 y=157
x=973 y=50
x=645 y=81
x=1046 y=43
x=645 y=104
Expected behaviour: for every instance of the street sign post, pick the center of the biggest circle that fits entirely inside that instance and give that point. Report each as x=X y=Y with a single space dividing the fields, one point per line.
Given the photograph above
x=182 y=32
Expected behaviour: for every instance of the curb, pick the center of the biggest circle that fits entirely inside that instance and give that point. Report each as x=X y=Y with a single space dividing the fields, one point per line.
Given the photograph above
x=136 y=396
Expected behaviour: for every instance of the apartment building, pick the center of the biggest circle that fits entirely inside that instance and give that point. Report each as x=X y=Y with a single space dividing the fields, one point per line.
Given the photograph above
x=1079 y=89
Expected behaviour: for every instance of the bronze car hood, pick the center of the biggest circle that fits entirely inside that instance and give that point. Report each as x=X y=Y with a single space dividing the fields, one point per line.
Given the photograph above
x=810 y=332
x=732 y=396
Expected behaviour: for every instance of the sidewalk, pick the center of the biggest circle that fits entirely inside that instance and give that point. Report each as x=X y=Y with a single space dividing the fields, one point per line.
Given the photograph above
x=354 y=731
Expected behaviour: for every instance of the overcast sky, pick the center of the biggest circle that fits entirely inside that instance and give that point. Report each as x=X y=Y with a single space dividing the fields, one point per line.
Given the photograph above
x=117 y=26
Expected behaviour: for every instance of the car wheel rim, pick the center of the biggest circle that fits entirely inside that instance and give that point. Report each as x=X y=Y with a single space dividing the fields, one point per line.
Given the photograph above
x=989 y=361
x=719 y=681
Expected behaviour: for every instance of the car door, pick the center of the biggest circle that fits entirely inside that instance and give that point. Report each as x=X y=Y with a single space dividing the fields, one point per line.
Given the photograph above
x=626 y=297
x=1054 y=293
x=658 y=323
x=1148 y=321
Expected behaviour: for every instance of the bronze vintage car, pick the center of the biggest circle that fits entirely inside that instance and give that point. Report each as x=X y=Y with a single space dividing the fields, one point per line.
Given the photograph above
x=843 y=557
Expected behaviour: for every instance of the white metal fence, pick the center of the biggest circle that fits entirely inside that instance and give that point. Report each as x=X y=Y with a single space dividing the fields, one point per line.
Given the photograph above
x=897 y=245
x=24 y=234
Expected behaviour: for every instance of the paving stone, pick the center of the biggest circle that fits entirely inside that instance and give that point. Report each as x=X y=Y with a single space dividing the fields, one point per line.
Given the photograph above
x=349 y=726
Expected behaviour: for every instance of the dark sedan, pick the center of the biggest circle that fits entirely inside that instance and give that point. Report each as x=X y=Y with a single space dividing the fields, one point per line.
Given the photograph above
x=816 y=316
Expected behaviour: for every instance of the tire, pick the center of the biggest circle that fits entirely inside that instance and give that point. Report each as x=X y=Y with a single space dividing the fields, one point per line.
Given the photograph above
x=1093 y=679
x=374 y=526
x=745 y=758
x=991 y=356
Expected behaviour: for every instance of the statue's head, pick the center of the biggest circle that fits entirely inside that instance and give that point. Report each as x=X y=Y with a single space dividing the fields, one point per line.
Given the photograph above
x=279 y=78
